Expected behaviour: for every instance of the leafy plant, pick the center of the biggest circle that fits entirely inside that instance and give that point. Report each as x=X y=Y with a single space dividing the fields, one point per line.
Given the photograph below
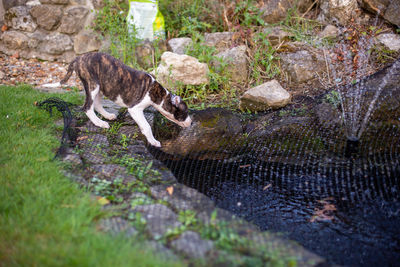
x=333 y=97
x=137 y=166
x=110 y=23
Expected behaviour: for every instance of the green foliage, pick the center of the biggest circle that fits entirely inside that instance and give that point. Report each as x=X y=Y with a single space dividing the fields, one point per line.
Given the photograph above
x=264 y=62
x=110 y=21
x=137 y=166
x=333 y=97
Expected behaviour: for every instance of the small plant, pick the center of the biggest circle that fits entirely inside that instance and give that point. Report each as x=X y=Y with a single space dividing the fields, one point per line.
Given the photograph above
x=124 y=141
x=137 y=167
x=333 y=97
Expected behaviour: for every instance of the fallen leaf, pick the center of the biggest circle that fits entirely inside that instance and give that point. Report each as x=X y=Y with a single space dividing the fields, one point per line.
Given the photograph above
x=80 y=138
x=102 y=200
x=267 y=186
x=170 y=190
x=4 y=28
x=245 y=166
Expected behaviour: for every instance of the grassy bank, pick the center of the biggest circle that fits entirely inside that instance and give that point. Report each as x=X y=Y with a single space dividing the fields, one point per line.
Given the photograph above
x=46 y=219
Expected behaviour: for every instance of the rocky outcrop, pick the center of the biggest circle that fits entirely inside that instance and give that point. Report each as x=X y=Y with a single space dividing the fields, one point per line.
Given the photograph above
x=179 y=45
x=265 y=96
x=236 y=63
x=302 y=65
x=211 y=130
x=334 y=11
x=184 y=69
x=18 y=18
x=274 y=11
x=48 y=29
x=390 y=41
x=389 y=10
x=219 y=40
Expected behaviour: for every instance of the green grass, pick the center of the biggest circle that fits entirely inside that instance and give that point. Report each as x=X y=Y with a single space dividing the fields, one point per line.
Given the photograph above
x=46 y=219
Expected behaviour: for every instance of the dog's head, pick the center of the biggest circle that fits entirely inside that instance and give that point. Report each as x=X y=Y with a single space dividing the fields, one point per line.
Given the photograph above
x=177 y=110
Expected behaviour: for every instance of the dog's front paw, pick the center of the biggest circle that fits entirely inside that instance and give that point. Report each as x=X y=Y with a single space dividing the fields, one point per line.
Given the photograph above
x=155 y=143
x=103 y=124
x=111 y=117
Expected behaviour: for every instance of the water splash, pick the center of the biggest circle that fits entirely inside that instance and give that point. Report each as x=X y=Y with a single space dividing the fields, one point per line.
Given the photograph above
x=358 y=100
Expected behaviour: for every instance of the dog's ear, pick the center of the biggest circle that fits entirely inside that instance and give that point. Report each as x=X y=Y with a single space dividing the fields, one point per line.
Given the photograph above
x=176 y=100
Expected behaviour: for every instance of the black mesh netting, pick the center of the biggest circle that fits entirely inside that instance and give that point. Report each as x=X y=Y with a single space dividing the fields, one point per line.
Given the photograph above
x=291 y=171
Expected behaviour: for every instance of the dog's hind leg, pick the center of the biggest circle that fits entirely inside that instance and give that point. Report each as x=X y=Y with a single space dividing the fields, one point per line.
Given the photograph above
x=90 y=103
x=99 y=108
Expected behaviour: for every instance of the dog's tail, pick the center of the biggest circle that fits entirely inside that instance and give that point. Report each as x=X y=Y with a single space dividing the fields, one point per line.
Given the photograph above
x=71 y=69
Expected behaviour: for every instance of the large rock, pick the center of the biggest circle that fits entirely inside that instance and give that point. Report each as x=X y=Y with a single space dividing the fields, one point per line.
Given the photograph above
x=265 y=96
x=18 y=18
x=181 y=68
x=276 y=34
x=7 y=4
x=179 y=45
x=274 y=11
x=301 y=66
x=211 y=130
x=219 y=40
x=15 y=40
x=237 y=65
x=389 y=9
x=56 y=44
x=337 y=11
x=86 y=41
x=190 y=244
x=390 y=41
x=159 y=219
x=47 y=16
x=74 y=19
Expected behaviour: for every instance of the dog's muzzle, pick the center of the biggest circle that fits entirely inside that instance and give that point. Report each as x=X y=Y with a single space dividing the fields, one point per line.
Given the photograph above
x=186 y=123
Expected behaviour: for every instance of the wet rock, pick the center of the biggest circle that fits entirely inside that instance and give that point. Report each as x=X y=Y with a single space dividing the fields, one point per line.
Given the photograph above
x=329 y=31
x=301 y=65
x=390 y=41
x=334 y=11
x=190 y=244
x=219 y=40
x=265 y=96
x=181 y=68
x=15 y=40
x=179 y=45
x=236 y=59
x=161 y=250
x=159 y=219
x=18 y=18
x=56 y=44
x=47 y=16
x=390 y=10
x=86 y=41
x=72 y=158
x=73 y=20
x=94 y=140
x=183 y=198
x=276 y=35
x=328 y=115
x=107 y=170
x=117 y=225
x=211 y=130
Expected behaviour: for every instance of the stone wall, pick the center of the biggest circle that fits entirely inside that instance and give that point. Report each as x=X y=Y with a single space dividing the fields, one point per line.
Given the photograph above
x=55 y=30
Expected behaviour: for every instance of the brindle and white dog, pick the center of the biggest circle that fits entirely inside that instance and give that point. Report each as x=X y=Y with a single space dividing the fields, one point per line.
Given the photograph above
x=102 y=74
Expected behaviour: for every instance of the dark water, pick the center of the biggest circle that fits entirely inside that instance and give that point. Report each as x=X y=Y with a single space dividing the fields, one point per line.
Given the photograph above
x=343 y=206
